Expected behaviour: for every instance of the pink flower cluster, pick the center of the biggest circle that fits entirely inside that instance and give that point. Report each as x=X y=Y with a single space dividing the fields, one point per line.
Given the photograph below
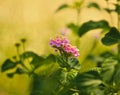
x=63 y=44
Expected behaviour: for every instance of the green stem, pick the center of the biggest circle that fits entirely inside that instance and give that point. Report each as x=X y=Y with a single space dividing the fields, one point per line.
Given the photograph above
x=119 y=52
x=118 y=2
x=18 y=54
x=111 y=18
x=24 y=47
x=78 y=14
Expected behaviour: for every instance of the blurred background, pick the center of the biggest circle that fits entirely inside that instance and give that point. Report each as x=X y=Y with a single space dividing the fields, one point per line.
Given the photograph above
x=37 y=21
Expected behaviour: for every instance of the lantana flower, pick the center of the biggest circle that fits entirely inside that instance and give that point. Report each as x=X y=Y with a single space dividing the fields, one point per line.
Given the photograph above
x=63 y=44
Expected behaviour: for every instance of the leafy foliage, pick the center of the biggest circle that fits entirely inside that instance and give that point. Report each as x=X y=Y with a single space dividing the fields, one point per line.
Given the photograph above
x=74 y=63
x=117 y=9
x=89 y=83
x=90 y=25
x=112 y=37
x=36 y=59
x=62 y=7
x=108 y=10
x=94 y=5
x=104 y=79
x=8 y=64
x=73 y=27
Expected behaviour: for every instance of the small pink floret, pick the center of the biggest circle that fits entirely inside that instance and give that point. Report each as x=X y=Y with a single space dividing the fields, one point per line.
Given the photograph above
x=65 y=45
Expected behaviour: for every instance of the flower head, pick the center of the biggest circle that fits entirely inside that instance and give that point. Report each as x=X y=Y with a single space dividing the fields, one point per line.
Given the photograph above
x=63 y=44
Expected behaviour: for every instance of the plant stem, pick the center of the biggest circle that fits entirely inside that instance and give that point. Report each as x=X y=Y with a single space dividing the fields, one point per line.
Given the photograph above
x=118 y=2
x=19 y=58
x=78 y=14
x=111 y=18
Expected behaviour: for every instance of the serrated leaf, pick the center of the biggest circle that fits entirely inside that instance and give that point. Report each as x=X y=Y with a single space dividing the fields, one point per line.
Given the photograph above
x=74 y=63
x=116 y=77
x=94 y=5
x=62 y=7
x=90 y=25
x=87 y=79
x=112 y=37
x=87 y=82
x=62 y=62
x=107 y=69
x=8 y=64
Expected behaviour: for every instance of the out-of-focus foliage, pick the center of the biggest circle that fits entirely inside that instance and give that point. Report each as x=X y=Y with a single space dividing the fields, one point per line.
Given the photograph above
x=112 y=37
x=66 y=77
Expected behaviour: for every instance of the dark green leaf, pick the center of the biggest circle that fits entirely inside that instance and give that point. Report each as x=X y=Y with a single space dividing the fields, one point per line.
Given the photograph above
x=51 y=58
x=108 y=10
x=10 y=75
x=61 y=61
x=106 y=54
x=88 y=79
x=108 y=68
x=74 y=63
x=116 y=78
x=36 y=59
x=62 y=7
x=87 y=82
x=117 y=9
x=90 y=25
x=94 y=5
x=112 y=37
x=28 y=54
x=20 y=71
x=73 y=27
x=8 y=64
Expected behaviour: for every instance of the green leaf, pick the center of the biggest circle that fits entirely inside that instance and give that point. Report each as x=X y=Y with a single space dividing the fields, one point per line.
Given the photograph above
x=90 y=25
x=10 y=75
x=88 y=79
x=62 y=7
x=116 y=75
x=8 y=64
x=106 y=54
x=20 y=71
x=112 y=37
x=74 y=63
x=62 y=62
x=94 y=5
x=73 y=27
x=51 y=58
x=107 y=69
x=28 y=54
x=117 y=9
x=87 y=82
x=36 y=59
x=108 y=10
